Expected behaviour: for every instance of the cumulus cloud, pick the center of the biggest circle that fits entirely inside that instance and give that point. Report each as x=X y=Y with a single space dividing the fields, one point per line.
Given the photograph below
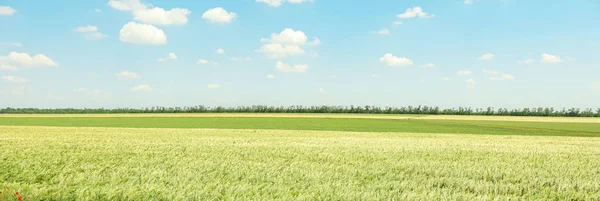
x=270 y=76
x=171 y=56
x=205 y=62
x=133 y=32
x=276 y=51
x=526 y=61
x=220 y=51
x=7 y=10
x=160 y=16
x=14 y=79
x=415 y=12
x=141 y=88
x=391 y=60
x=495 y=75
x=287 y=68
x=214 y=86
x=550 y=59
x=429 y=65
x=16 y=60
x=464 y=72
x=277 y=3
x=90 y=32
x=287 y=37
x=218 y=15
x=124 y=75
x=382 y=32
x=470 y=83
x=468 y=1
x=487 y=57
x=285 y=43
x=151 y=15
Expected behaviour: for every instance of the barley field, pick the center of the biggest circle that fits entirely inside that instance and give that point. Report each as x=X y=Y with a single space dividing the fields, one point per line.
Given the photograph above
x=253 y=157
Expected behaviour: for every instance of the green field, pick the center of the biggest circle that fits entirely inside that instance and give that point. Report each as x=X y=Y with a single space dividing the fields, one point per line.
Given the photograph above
x=270 y=158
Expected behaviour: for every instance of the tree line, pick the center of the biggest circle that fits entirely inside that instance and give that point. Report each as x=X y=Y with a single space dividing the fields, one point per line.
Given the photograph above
x=490 y=111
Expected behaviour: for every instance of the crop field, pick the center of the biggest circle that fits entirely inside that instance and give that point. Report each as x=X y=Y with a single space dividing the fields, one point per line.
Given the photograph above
x=298 y=157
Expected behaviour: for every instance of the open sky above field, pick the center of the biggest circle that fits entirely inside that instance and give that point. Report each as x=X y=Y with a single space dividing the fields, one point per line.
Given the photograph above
x=139 y=53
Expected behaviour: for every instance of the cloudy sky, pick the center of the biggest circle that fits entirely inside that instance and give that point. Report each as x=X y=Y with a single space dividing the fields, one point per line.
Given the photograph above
x=138 y=53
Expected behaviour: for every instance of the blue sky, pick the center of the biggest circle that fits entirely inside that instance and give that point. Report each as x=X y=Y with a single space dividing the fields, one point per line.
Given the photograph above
x=117 y=53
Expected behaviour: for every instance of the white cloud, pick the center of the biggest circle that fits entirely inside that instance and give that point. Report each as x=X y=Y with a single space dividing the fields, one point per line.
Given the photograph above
x=90 y=32
x=276 y=51
x=270 y=76
x=204 y=62
x=220 y=51
x=14 y=79
x=97 y=10
x=218 y=15
x=287 y=68
x=470 y=83
x=445 y=79
x=214 y=86
x=526 y=61
x=133 y=32
x=468 y=1
x=299 y=1
x=241 y=59
x=126 y=5
x=321 y=90
x=84 y=29
x=315 y=42
x=272 y=3
x=160 y=16
x=487 y=57
x=7 y=10
x=382 y=32
x=16 y=60
x=171 y=56
x=550 y=59
x=414 y=12
x=141 y=88
x=277 y=3
x=123 y=75
x=392 y=60
x=495 y=75
x=94 y=36
x=151 y=15
x=285 y=43
x=397 y=23
x=287 y=37
x=464 y=72
x=429 y=65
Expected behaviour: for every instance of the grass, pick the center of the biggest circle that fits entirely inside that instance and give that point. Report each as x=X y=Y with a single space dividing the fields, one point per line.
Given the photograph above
x=69 y=163
x=324 y=124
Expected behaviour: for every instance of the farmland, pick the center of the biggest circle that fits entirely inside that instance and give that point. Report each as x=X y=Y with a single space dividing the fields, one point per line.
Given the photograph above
x=299 y=157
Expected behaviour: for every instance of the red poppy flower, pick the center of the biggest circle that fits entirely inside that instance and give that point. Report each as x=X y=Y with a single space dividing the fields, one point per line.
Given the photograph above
x=16 y=193
x=20 y=198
